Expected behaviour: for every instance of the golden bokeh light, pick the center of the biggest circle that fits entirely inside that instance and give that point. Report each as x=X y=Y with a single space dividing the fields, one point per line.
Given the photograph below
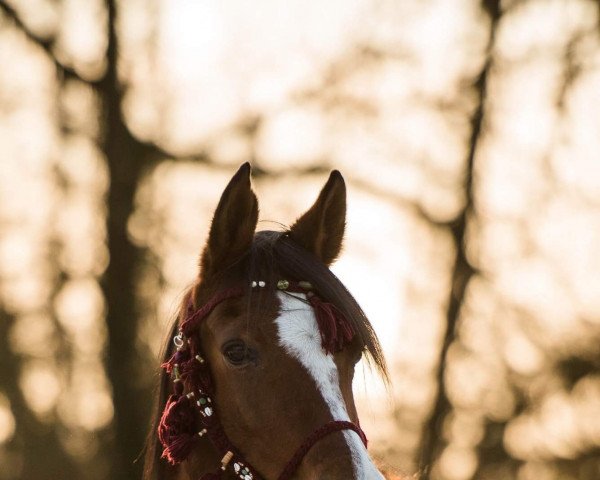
x=7 y=420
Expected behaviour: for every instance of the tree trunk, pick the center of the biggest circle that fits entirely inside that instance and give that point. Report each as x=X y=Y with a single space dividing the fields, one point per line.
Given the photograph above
x=125 y=160
x=431 y=444
x=36 y=444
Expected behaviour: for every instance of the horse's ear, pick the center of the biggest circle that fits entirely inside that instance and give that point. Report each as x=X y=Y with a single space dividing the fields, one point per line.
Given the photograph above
x=233 y=225
x=321 y=229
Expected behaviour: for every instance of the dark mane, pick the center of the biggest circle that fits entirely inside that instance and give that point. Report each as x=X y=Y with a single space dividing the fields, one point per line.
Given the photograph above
x=154 y=468
x=273 y=256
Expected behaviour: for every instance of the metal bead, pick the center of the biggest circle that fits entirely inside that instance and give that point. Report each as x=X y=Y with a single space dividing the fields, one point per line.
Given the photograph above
x=178 y=340
x=190 y=395
x=199 y=358
x=283 y=284
x=202 y=432
x=305 y=285
x=226 y=459
x=175 y=374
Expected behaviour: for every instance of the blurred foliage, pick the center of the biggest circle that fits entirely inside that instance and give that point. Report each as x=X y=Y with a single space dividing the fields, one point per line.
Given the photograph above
x=468 y=133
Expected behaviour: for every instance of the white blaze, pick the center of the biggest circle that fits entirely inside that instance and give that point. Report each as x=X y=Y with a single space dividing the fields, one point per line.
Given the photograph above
x=299 y=336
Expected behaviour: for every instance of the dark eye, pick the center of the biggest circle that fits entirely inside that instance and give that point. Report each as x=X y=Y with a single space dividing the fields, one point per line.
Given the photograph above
x=238 y=353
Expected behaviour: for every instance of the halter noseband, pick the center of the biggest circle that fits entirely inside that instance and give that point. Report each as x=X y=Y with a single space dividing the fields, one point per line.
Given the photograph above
x=190 y=372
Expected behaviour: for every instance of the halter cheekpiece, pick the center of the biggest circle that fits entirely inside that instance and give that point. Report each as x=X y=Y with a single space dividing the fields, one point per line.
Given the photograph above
x=194 y=388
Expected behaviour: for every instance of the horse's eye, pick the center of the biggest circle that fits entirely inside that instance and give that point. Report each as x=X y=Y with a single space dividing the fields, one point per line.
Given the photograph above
x=237 y=352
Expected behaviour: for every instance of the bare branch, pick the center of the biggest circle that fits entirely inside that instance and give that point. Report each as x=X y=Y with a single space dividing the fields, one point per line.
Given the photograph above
x=64 y=71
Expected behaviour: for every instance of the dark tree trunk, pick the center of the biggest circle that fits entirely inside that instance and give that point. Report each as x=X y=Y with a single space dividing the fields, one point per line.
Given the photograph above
x=125 y=160
x=492 y=455
x=35 y=443
x=462 y=271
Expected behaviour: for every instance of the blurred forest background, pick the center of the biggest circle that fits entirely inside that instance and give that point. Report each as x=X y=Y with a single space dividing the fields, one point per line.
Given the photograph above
x=469 y=135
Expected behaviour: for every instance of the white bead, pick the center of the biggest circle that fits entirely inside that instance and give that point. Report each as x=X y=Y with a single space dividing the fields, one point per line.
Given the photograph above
x=261 y=284
x=253 y=284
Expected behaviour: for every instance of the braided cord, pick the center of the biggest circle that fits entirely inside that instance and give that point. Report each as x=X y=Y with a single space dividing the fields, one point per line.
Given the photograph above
x=320 y=433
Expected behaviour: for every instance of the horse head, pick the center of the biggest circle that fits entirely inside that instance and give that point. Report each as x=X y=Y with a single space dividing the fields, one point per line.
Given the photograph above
x=258 y=383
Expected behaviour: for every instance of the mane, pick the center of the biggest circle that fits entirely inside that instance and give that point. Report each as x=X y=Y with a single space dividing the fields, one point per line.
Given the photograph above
x=275 y=256
x=154 y=468
x=272 y=256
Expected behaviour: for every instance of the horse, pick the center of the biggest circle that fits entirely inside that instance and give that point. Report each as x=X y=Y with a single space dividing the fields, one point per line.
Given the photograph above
x=258 y=364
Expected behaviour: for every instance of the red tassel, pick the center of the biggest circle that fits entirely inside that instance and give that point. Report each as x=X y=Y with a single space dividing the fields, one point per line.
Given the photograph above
x=195 y=374
x=178 y=358
x=176 y=429
x=335 y=329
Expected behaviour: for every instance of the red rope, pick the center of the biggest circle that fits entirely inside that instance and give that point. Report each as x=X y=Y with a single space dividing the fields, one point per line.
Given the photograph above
x=331 y=427
x=194 y=318
x=176 y=429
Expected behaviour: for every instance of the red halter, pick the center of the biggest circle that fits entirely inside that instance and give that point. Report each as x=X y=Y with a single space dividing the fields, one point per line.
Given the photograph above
x=190 y=372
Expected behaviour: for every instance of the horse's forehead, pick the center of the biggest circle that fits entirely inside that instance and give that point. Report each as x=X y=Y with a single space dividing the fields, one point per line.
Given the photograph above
x=300 y=337
x=296 y=323
x=254 y=313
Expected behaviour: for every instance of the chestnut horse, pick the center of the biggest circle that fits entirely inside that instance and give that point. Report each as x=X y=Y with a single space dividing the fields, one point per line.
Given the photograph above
x=259 y=379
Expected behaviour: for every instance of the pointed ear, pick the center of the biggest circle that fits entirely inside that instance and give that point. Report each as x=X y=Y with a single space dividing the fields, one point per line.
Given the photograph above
x=233 y=225
x=321 y=229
